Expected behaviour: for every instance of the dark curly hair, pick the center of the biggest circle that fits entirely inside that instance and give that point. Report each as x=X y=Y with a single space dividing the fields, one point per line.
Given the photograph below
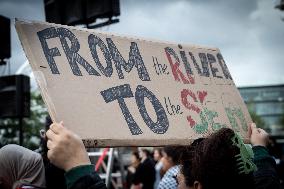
x=175 y=152
x=212 y=162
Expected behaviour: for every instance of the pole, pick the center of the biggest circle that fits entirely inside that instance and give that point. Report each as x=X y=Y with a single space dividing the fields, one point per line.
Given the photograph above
x=109 y=167
x=121 y=165
x=21 y=138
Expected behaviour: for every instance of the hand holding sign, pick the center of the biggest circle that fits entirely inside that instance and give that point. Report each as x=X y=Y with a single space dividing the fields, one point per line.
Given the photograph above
x=258 y=136
x=66 y=149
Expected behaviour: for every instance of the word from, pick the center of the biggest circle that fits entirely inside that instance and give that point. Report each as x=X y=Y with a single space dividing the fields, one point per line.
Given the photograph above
x=171 y=108
x=160 y=69
x=124 y=91
x=110 y=53
x=207 y=60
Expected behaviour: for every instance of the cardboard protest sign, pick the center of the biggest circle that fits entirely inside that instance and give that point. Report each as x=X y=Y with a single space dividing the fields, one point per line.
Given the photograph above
x=123 y=91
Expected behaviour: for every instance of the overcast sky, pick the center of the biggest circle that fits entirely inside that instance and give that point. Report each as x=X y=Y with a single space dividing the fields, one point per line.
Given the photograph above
x=249 y=33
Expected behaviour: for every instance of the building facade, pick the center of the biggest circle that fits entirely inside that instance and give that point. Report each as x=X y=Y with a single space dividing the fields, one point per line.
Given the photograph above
x=268 y=103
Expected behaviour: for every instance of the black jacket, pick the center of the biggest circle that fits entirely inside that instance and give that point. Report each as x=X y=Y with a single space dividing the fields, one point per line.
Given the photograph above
x=266 y=176
x=145 y=174
x=90 y=181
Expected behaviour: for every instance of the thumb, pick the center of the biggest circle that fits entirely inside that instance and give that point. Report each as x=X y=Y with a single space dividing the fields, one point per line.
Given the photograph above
x=250 y=128
x=253 y=127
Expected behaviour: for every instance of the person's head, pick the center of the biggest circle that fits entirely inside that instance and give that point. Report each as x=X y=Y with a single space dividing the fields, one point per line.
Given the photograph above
x=158 y=154
x=172 y=156
x=135 y=158
x=215 y=163
x=144 y=152
x=20 y=166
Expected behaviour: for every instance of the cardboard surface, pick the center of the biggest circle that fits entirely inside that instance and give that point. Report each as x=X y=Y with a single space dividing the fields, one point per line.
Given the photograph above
x=124 y=91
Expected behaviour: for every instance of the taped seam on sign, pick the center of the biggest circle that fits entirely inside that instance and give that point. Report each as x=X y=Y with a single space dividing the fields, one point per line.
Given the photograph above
x=39 y=76
x=41 y=79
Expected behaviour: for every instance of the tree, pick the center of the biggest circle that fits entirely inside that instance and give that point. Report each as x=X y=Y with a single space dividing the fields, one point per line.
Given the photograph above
x=9 y=128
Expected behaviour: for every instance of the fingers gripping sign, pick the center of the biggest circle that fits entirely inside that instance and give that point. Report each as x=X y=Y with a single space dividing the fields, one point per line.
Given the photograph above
x=56 y=128
x=65 y=149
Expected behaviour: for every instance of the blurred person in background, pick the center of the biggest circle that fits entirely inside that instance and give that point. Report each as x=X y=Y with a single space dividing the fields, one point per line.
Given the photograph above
x=171 y=156
x=159 y=165
x=145 y=172
x=135 y=162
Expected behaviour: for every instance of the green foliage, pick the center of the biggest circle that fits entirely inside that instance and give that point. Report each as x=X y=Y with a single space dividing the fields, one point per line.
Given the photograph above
x=9 y=128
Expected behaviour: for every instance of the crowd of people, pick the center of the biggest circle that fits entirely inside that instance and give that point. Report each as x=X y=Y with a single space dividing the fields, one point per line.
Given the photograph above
x=221 y=160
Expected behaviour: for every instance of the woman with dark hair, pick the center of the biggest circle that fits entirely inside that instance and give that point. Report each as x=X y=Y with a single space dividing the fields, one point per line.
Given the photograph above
x=135 y=162
x=223 y=161
x=145 y=172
